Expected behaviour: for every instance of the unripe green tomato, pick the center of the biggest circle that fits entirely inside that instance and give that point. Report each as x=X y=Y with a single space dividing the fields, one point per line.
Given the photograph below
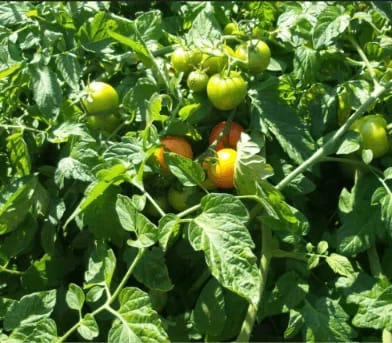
x=197 y=81
x=181 y=199
x=372 y=128
x=102 y=98
x=161 y=201
x=226 y=92
x=105 y=122
x=255 y=54
x=185 y=60
x=232 y=29
x=214 y=63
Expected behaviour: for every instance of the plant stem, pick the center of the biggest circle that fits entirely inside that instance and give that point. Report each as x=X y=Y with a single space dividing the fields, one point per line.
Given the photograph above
x=127 y=275
x=364 y=58
x=376 y=270
x=110 y=299
x=250 y=318
x=330 y=145
x=10 y=271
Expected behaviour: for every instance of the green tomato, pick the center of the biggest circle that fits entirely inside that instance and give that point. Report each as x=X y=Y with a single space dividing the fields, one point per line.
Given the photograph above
x=102 y=98
x=226 y=92
x=372 y=128
x=255 y=54
x=161 y=201
x=182 y=198
x=214 y=62
x=185 y=60
x=232 y=29
x=105 y=122
x=197 y=81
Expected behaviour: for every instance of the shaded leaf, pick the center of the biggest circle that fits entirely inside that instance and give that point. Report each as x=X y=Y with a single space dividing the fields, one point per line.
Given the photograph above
x=221 y=233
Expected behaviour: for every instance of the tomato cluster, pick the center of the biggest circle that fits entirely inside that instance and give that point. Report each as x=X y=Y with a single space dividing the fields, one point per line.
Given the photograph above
x=221 y=74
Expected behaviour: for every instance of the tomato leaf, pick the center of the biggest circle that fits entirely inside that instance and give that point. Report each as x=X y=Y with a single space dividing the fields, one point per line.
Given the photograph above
x=75 y=297
x=331 y=23
x=88 y=328
x=209 y=313
x=136 y=320
x=15 y=202
x=188 y=172
x=221 y=233
x=29 y=309
x=375 y=307
x=42 y=330
x=19 y=153
x=132 y=220
x=47 y=91
x=205 y=30
x=325 y=310
x=101 y=265
x=69 y=68
x=361 y=221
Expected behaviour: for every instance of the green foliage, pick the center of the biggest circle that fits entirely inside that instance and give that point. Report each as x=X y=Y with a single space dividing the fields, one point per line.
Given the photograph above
x=298 y=250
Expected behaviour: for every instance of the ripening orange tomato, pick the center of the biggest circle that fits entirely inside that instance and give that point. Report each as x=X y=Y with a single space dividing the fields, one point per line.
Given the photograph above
x=230 y=139
x=176 y=144
x=221 y=171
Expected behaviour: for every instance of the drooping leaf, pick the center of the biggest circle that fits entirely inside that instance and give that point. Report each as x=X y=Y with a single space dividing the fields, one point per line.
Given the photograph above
x=205 y=30
x=188 y=172
x=19 y=154
x=44 y=330
x=68 y=65
x=101 y=265
x=281 y=121
x=209 y=313
x=132 y=220
x=375 y=307
x=361 y=221
x=46 y=89
x=70 y=168
x=326 y=321
x=221 y=233
x=16 y=200
x=331 y=23
x=29 y=309
x=152 y=271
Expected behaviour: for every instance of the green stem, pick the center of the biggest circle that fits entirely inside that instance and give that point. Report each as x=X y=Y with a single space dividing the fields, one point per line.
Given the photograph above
x=364 y=58
x=250 y=318
x=128 y=274
x=330 y=145
x=110 y=299
x=11 y=271
x=21 y=127
x=376 y=270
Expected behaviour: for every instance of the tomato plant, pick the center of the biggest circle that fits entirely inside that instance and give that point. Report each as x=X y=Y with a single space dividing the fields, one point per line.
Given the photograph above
x=284 y=237
x=229 y=139
x=226 y=92
x=221 y=170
